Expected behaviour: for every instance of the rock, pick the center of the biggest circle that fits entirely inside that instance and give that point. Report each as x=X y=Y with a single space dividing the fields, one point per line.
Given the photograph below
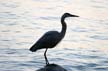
x=52 y=67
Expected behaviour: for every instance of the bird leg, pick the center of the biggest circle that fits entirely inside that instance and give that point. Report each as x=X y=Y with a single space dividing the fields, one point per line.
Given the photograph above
x=47 y=62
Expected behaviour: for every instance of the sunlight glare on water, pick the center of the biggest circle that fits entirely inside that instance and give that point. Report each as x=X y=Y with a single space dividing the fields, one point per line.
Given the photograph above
x=84 y=48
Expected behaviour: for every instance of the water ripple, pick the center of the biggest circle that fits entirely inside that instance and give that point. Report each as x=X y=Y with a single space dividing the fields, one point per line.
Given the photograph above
x=99 y=37
x=9 y=4
x=8 y=15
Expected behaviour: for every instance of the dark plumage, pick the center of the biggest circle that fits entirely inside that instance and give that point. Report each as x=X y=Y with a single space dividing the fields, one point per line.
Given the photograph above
x=48 y=40
x=51 y=38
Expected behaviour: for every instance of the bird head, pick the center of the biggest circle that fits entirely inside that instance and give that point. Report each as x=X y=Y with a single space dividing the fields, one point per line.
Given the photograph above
x=69 y=15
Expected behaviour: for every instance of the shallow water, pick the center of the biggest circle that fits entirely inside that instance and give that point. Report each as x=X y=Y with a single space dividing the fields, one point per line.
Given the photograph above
x=84 y=48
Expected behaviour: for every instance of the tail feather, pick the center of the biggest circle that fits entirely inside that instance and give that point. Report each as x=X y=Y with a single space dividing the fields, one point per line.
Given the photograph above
x=36 y=47
x=33 y=49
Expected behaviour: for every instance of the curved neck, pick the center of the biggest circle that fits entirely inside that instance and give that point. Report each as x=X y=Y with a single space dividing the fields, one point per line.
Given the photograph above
x=64 y=26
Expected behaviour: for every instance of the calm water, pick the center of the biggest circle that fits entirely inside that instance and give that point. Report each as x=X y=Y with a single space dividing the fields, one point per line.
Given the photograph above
x=84 y=48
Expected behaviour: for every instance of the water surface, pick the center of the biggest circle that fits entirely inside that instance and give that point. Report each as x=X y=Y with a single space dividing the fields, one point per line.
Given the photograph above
x=84 y=48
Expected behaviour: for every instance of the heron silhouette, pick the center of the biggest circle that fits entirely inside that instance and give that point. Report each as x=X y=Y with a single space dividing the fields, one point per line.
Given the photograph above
x=51 y=38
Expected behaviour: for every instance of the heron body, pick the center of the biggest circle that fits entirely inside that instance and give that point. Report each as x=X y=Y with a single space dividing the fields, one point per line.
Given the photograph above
x=52 y=38
x=48 y=40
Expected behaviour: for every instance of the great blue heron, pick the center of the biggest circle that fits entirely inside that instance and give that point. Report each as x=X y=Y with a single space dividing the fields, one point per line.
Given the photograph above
x=51 y=38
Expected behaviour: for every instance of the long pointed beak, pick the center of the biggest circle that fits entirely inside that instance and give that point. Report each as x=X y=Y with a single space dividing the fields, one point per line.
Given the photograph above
x=74 y=16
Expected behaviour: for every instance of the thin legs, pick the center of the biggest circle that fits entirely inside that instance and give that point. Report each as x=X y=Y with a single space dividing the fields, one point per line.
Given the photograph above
x=47 y=62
